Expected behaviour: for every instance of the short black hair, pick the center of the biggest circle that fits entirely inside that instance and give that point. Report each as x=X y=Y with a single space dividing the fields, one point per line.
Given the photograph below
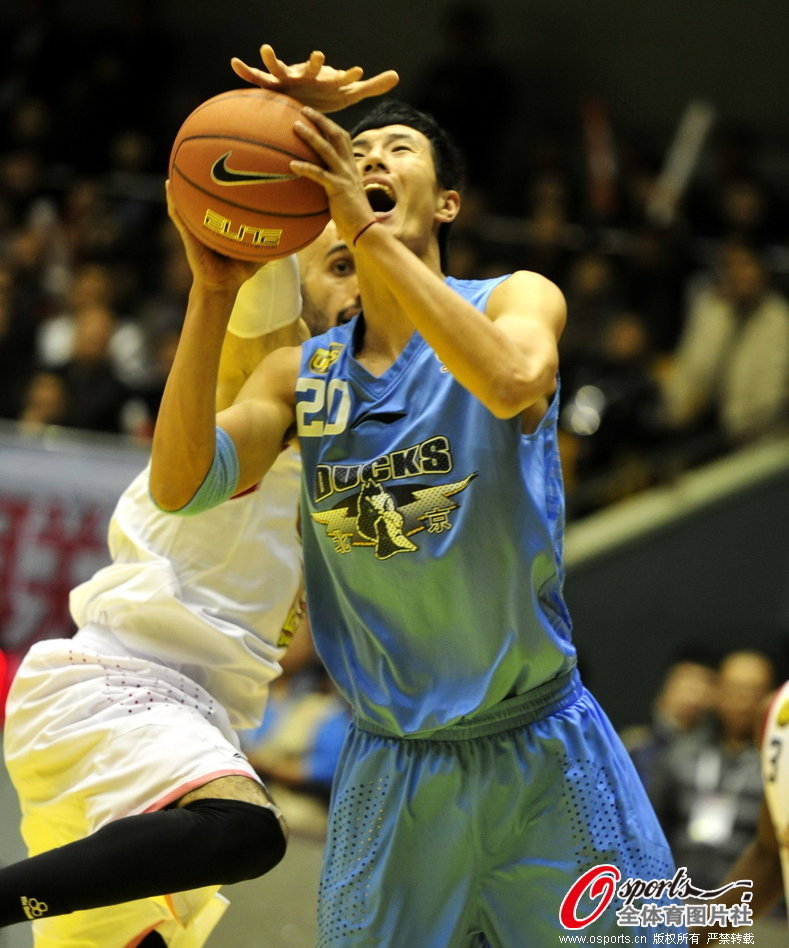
x=448 y=161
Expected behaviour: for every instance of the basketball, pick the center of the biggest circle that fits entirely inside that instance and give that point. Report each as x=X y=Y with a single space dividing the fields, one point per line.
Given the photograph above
x=230 y=176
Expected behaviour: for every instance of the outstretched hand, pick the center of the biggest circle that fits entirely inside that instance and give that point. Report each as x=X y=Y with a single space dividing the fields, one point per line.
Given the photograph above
x=314 y=83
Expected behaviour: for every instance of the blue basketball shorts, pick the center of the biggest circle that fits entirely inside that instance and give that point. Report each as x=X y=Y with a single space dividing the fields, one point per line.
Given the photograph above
x=474 y=837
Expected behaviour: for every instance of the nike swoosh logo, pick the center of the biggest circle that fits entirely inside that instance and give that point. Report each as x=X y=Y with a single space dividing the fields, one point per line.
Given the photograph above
x=230 y=176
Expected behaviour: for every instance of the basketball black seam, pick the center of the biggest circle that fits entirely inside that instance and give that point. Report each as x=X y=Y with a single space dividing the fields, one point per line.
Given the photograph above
x=246 y=207
x=242 y=94
x=243 y=141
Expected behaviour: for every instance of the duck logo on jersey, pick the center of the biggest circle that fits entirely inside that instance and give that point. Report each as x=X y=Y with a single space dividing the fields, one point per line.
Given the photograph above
x=386 y=517
x=782 y=718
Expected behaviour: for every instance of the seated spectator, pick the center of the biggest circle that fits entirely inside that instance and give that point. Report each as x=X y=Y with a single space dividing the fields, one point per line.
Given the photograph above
x=93 y=284
x=299 y=740
x=467 y=78
x=17 y=337
x=655 y=269
x=611 y=412
x=708 y=789
x=728 y=381
x=682 y=707
x=593 y=295
x=94 y=398
x=45 y=401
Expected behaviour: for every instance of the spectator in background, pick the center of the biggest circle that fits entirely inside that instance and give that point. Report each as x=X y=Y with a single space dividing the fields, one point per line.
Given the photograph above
x=141 y=417
x=95 y=395
x=94 y=285
x=682 y=707
x=593 y=295
x=44 y=401
x=654 y=272
x=466 y=79
x=17 y=346
x=297 y=745
x=610 y=411
x=162 y=309
x=736 y=200
x=707 y=791
x=729 y=378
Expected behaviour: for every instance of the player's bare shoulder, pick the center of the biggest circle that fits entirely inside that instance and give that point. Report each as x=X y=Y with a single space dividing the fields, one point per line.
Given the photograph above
x=529 y=294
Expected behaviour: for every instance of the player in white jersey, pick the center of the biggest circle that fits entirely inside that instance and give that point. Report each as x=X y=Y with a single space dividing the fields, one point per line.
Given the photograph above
x=121 y=740
x=178 y=638
x=765 y=860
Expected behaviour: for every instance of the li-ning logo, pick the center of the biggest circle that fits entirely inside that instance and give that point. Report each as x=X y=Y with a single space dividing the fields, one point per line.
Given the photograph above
x=33 y=908
x=227 y=177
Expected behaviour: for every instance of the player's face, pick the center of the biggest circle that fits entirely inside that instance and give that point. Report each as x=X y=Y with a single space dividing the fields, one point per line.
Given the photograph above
x=399 y=176
x=328 y=282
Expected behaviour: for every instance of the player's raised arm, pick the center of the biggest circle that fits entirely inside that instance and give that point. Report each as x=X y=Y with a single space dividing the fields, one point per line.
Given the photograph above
x=186 y=453
x=507 y=356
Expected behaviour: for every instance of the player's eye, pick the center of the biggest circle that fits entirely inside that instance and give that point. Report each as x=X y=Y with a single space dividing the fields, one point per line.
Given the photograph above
x=342 y=267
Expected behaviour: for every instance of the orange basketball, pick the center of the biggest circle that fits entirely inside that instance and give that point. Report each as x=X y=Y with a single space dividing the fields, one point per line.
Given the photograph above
x=231 y=181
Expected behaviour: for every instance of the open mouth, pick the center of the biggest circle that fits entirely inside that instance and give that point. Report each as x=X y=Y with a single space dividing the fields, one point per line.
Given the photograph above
x=380 y=197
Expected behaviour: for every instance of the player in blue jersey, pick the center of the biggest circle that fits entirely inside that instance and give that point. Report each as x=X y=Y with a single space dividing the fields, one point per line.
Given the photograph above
x=479 y=780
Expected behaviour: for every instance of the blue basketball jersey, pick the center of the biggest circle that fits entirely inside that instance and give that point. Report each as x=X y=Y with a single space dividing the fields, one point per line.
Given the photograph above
x=432 y=537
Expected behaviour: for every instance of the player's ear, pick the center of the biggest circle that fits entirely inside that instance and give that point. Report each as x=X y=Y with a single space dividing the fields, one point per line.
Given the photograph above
x=448 y=206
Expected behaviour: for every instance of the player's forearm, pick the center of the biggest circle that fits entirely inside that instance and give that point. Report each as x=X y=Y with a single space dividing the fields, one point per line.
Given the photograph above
x=184 y=438
x=762 y=865
x=505 y=375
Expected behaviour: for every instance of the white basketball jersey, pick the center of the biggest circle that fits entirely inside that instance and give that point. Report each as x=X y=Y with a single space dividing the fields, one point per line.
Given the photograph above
x=775 y=771
x=209 y=595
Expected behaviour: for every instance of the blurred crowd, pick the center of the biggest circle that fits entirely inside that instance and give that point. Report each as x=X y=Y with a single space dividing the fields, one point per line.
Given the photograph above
x=677 y=343
x=676 y=349
x=699 y=756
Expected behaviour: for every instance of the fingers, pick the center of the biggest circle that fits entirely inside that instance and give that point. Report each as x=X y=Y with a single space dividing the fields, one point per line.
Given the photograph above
x=171 y=209
x=382 y=83
x=275 y=66
x=304 y=169
x=329 y=137
x=328 y=140
x=314 y=64
x=377 y=85
x=252 y=75
x=345 y=76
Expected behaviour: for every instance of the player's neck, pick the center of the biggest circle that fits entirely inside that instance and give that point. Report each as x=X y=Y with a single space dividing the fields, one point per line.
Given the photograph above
x=387 y=328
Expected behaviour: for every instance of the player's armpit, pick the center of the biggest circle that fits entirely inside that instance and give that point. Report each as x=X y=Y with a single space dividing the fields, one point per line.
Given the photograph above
x=262 y=418
x=240 y=357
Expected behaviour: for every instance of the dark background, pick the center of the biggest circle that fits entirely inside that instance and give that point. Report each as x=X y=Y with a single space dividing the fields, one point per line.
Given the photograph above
x=647 y=59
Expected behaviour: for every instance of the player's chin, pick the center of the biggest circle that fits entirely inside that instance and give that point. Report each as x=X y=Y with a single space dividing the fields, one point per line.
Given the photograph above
x=346 y=315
